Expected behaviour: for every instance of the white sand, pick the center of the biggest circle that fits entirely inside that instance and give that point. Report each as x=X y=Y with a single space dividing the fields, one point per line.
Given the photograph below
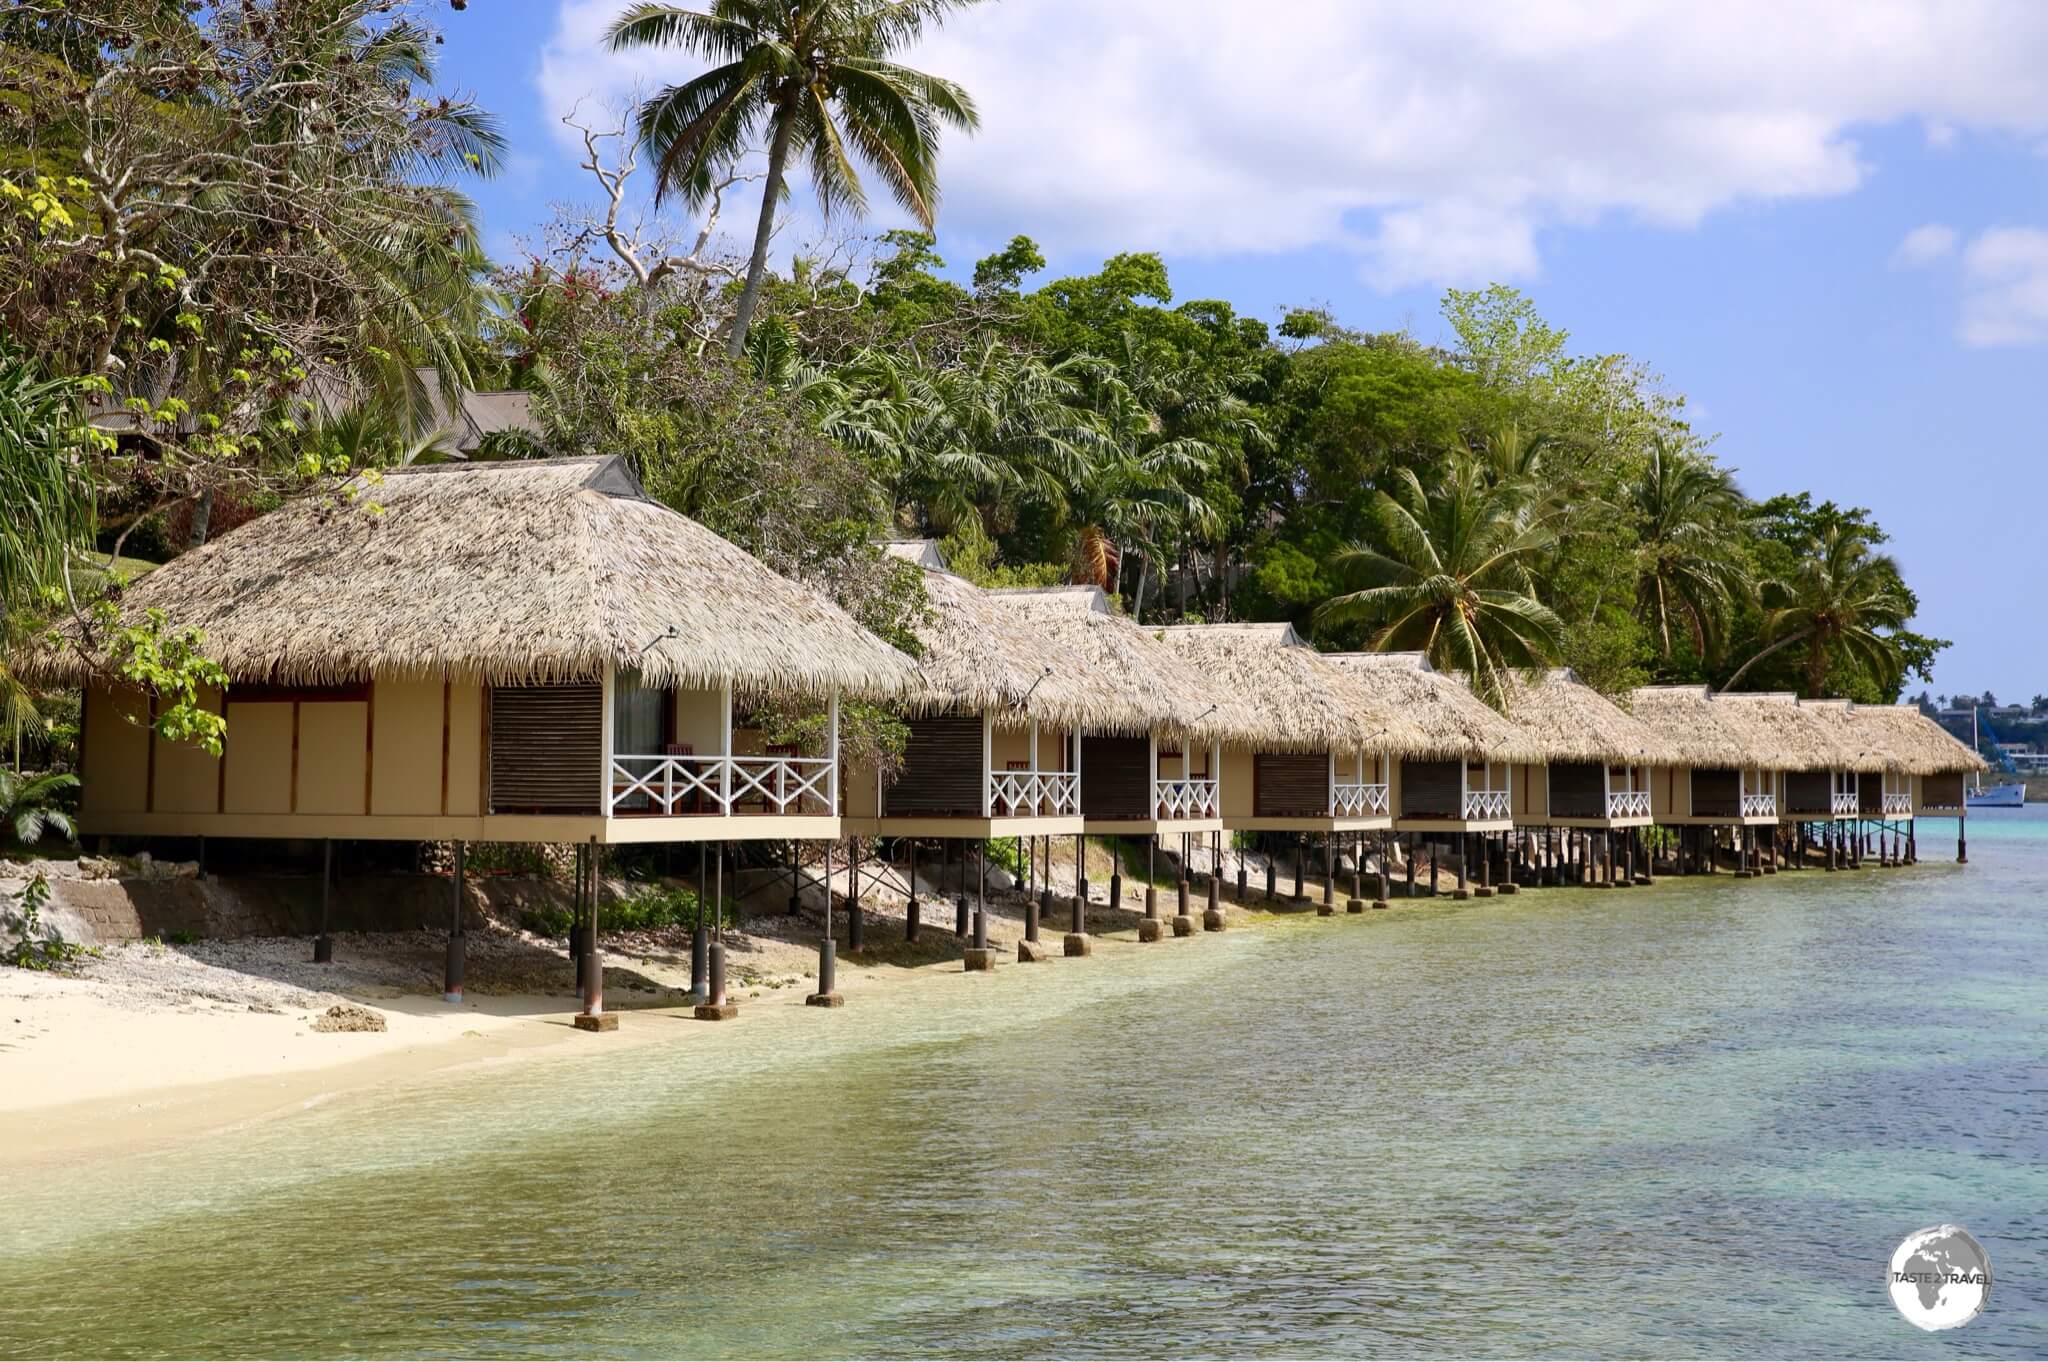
x=151 y=1044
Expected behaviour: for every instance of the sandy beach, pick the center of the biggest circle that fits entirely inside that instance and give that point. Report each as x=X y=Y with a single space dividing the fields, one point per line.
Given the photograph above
x=149 y=1044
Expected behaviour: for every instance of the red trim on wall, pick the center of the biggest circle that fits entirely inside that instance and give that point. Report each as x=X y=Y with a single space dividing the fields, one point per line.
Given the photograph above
x=369 y=747
x=447 y=701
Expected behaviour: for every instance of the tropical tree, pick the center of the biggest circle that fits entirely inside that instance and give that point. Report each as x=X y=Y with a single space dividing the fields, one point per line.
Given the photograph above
x=1689 y=551
x=45 y=450
x=31 y=805
x=1835 y=601
x=814 y=77
x=1453 y=574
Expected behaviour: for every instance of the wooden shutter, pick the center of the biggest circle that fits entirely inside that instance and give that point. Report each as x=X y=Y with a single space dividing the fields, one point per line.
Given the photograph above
x=1116 y=777
x=1578 y=789
x=1716 y=793
x=1430 y=789
x=547 y=748
x=1809 y=792
x=942 y=771
x=1291 y=785
x=1942 y=792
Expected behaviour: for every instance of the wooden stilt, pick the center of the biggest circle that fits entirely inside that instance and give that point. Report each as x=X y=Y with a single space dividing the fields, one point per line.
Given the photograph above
x=451 y=974
x=323 y=944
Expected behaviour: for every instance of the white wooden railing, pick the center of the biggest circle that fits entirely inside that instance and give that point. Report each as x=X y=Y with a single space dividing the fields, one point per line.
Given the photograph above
x=1486 y=804
x=673 y=785
x=1358 y=801
x=1759 y=806
x=1029 y=794
x=1898 y=805
x=1628 y=804
x=1184 y=798
x=1842 y=804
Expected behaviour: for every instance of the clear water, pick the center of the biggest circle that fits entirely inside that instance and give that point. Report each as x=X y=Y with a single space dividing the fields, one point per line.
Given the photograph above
x=1688 y=1121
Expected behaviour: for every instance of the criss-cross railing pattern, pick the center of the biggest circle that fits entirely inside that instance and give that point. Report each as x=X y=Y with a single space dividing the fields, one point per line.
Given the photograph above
x=672 y=785
x=1184 y=798
x=1843 y=804
x=1897 y=805
x=1759 y=806
x=1486 y=804
x=1359 y=801
x=1027 y=794
x=1628 y=804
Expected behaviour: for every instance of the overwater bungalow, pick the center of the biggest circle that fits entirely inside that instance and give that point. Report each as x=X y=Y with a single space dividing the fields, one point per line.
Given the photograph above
x=992 y=748
x=1165 y=776
x=528 y=651
x=1321 y=763
x=1821 y=768
x=1724 y=777
x=1453 y=779
x=1594 y=780
x=1926 y=769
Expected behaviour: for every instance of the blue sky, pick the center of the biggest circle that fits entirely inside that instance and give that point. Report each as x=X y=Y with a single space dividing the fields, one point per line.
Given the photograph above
x=1824 y=224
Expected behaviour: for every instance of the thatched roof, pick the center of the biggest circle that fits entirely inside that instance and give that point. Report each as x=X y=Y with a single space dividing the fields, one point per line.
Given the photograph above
x=1133 y=668
x=1434 y=717
x=1698 y=732
x=982 y=654
x=1303 y=699
x=1856 y=744
x=1787 y=735
x=516 y=572
x=1912 y=742
x=1572 y=722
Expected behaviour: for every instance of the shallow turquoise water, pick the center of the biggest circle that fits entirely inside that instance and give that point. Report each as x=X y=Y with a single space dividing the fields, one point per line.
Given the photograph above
x=1687 y=1121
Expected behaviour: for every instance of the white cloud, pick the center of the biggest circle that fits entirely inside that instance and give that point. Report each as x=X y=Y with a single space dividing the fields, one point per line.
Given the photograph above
x=1432 y=143
x=1924 y=245
x=2005 y=288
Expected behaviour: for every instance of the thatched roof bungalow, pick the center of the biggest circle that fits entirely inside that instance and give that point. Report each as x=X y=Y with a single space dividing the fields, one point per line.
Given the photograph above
x=991 y=748
x=1724 y=768
x=1164 y=772
x=1819 y=762
x=1457 y=756
x=1319 y=762
x=519 y=651
x=1598 y=758
x=1925 y=766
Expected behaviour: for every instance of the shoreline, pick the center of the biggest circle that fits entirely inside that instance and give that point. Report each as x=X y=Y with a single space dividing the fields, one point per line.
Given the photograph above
x=94 y=1069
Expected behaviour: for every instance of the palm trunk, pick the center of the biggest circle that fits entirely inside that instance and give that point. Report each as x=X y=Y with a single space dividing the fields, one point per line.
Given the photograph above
x=1138 y=605
x=1729 y=684
x=764 y=230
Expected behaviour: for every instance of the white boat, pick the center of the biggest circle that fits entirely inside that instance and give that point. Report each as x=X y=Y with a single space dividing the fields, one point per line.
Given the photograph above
x=2011 y=794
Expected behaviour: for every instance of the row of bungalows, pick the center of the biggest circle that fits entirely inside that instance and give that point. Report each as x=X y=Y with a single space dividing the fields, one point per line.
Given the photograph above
x=537 y=652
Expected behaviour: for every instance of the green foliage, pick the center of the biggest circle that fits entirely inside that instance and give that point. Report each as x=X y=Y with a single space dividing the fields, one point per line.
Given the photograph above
x=1451 y=574
x=166 y=663
x=35 y=806
x=510 y=858
x=35 y=944
x=970 y=553
x=648 y=908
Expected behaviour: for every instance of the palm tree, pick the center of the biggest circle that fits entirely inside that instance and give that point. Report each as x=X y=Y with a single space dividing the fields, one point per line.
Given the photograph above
x=815 y=77
x=1689 y=558
x=1838 y=597
x=1454 y=575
